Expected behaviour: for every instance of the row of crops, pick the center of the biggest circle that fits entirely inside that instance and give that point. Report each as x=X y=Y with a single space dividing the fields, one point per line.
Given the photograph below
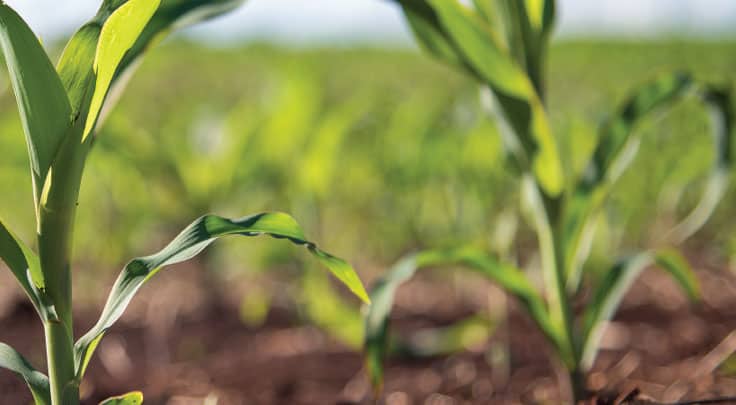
x=378 y=153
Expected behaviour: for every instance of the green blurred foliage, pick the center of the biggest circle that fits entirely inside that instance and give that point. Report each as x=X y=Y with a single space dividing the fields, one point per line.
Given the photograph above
x=386 y=149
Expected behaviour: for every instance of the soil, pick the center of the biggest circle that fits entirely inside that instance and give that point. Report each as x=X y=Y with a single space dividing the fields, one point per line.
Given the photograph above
x=658 y=349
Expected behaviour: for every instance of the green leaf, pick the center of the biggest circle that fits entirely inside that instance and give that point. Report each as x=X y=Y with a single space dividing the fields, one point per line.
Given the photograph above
x=75 y=67
x=444 y=341
x=530 y=24
x=431 y=35
x=610 y=157
x=172 y=15
x=608 y=295
x=131 y=398
x=119 y=33
x=674 y=263
x=383 y=292
x=37 y=382
x=482 y=50
x=44 y=108
x=617 y=147
x=190 y=242
x=26 y=267
x=720 y=105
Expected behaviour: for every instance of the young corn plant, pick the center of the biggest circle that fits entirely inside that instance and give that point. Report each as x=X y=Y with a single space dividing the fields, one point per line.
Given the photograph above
x=502 y=44
x=61 y=109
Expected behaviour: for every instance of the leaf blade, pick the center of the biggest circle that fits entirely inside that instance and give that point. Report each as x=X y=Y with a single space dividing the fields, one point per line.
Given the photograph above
x=131 y=398
x=43 y=104
x=482 y=51
x=191 y=241
x=119 y=33
x=382 y=296
x=610 y=292
x=26 y=267
x=37 y=382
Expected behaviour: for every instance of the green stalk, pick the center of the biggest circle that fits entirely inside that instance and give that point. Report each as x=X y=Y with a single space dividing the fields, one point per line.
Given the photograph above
x=57 y=208
x=554 y=209
x=60 y=357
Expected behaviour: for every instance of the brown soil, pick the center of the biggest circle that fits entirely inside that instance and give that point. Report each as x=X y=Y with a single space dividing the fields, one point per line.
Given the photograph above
x=659 y=348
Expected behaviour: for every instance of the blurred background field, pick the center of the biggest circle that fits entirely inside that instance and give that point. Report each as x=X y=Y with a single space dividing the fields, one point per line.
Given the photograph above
x=376 y=151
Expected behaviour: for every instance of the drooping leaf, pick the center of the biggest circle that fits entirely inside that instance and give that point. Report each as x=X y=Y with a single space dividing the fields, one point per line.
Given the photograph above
x=617 y=147
x=76 y=64
x=608 y=294
x=119 y=33
x=37 y=382
x=383 y=292
x=677 y=266
x=172 y=15
x=43 y=104
x=610 y=158
x=131 y=398
x=25 y=266
x=464 y=334
x=190 y=242
x=720 y=105
x=431 y=35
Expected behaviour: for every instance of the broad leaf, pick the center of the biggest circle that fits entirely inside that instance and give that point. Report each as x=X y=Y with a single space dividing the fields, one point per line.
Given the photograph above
x=80 y=54
x=25 y=266
x=37 y=382
x=75 y=67
x=44 y=108
x=190 y=242
x=383 y=292
x=608 y=294
x=172 y=15
x=431 y=35
x=119 y=33
x=131 y=398
x=482 y=51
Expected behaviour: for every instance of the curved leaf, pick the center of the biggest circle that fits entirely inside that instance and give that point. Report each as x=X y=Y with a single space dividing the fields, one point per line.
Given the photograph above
x=431 y=35
x=172 y=15
x=119 y=33
x=131 y=398
x=383 y=292
x=37 y=382
x=481 y=50
x=617 y=147
x=190 y=242
x=78 y=64
x=720 y=105
x=26 y=267
x=608 y=294
x=610 y=158
x=44 y=108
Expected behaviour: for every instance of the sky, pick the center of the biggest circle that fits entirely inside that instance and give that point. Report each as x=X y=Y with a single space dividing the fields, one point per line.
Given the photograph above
x=379 y=21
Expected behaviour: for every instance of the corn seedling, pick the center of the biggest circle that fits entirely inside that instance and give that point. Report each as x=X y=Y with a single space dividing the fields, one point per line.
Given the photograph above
x=502 y=44
x=61 y=109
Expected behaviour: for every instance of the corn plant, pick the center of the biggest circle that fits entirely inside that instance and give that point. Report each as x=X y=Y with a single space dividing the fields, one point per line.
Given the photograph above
x=61 y=109
x=502 y=44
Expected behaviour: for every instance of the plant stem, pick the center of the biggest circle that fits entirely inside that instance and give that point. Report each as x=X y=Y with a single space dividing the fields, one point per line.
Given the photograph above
x=60 y=357
x=57 y=207
x=577 y=385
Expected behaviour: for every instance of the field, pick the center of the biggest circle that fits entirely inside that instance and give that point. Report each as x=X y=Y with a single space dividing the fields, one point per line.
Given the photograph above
x=377 y=153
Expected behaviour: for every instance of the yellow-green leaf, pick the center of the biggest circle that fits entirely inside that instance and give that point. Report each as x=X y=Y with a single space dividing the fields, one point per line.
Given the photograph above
x=118 y=35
